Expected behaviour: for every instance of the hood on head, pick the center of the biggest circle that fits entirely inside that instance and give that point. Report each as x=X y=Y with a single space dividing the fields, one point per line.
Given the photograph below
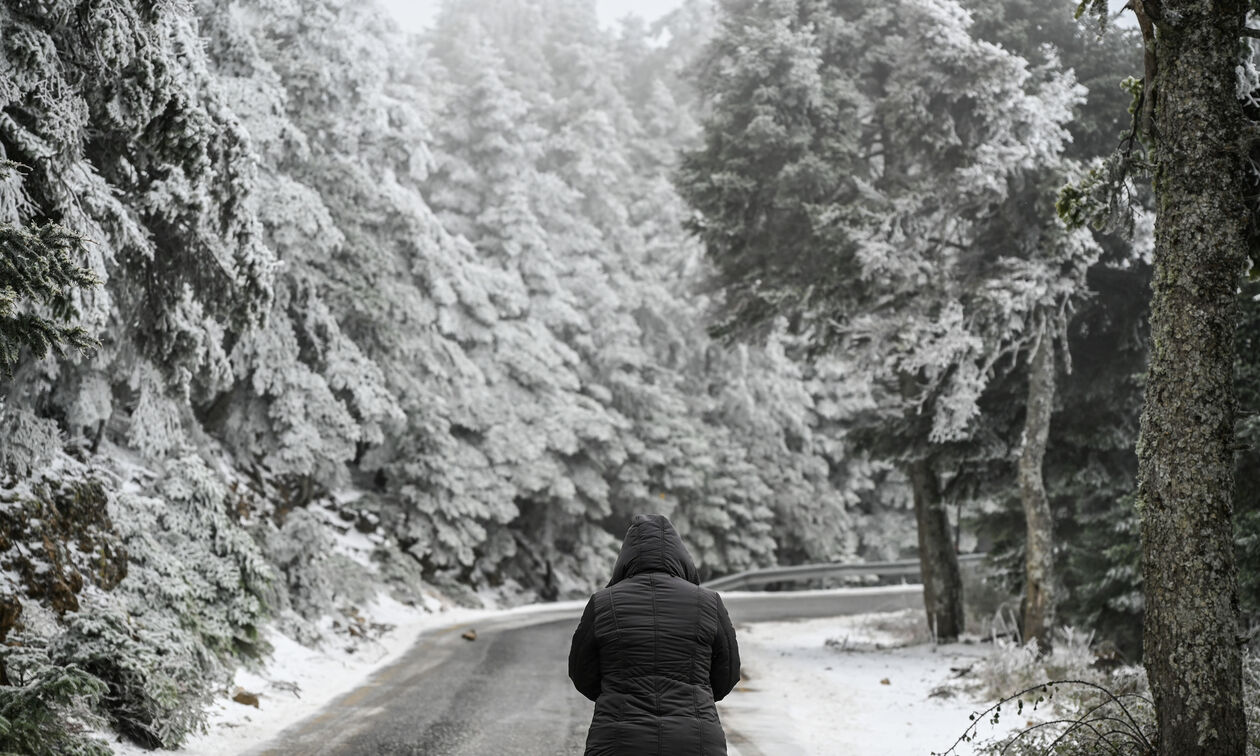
x=652 y=545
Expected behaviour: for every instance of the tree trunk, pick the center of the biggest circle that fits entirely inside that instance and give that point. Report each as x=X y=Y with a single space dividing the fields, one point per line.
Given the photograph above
x=1040 y=595
x=1185 y=454
x=938 y=562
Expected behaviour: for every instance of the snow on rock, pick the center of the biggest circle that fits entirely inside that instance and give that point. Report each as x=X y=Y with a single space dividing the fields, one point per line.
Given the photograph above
x=862 y=685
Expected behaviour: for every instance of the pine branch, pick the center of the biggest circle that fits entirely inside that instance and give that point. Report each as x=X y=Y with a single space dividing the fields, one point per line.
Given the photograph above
x=39 y=268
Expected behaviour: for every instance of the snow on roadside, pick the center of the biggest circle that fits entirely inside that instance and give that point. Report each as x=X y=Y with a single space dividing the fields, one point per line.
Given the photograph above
x=297 y=681
x=850 y=686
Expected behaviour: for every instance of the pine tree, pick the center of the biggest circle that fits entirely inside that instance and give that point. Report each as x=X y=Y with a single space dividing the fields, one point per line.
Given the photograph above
x=831 y=189
x=1043 y=34
x=601 y=237
x=1185 y=450
x=124 y=139
x=1195 y=95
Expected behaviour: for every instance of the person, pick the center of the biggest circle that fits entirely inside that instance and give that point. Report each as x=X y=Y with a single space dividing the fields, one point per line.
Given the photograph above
x=654 y=651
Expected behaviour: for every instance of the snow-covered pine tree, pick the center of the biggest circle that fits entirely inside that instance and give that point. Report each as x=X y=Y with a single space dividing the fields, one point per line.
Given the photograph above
x=307 y=397
x=41 y=282
x=1053 y=267
x=849 y=168
x=124 y=139
x=533 y=418
x=644 y=346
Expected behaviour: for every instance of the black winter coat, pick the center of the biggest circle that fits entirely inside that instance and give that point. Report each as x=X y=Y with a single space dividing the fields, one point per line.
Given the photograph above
x=654 y=650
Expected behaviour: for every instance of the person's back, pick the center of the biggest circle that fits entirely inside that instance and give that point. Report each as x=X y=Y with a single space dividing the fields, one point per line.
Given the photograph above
x=654 y=650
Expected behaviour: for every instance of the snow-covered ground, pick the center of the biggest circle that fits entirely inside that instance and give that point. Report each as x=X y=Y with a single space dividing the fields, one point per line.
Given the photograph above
x=863 y=685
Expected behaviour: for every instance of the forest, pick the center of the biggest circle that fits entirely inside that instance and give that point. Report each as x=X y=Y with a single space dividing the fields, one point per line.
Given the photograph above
x=296 y=308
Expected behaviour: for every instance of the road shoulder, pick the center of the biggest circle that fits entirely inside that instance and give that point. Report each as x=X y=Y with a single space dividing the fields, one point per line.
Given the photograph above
x=859 y=685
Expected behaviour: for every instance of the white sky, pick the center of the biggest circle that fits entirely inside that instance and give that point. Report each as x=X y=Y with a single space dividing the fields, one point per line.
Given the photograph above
x=414 y=15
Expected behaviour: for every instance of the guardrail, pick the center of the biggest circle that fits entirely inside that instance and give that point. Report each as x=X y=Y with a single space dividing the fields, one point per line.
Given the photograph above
x=767 y=575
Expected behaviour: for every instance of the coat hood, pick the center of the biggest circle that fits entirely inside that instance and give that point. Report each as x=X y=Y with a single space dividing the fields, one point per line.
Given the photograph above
x=652 y=545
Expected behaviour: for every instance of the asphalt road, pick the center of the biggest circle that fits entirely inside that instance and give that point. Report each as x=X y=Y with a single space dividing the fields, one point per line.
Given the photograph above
x=507 y=693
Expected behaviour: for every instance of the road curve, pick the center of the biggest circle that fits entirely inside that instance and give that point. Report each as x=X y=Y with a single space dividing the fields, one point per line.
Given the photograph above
x=507 y=693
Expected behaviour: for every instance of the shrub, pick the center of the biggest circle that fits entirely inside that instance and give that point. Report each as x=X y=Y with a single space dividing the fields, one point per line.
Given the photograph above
x=193 y=595
x=29 y=441
x=1093 y=720
x=1073 y=656
x=44 y=706
x=1085 y=707
x=315 y=578
x=155 y=673
x=1101 y=713
x=190 y=561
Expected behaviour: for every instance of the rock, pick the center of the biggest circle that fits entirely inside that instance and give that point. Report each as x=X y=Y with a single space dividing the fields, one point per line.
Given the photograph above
x=356 y=625
x=246 y=698
x=366 y=522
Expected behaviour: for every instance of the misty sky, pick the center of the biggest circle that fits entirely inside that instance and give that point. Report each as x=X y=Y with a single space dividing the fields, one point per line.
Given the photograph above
x=414 y=15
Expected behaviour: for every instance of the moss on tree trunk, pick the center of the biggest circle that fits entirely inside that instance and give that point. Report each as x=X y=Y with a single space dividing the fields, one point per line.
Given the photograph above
x=1185 y=450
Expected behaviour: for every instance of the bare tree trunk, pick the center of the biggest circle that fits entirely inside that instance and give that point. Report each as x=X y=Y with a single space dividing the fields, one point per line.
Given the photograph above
x=938 y=562
x=1040 y=595
x=1185 y=453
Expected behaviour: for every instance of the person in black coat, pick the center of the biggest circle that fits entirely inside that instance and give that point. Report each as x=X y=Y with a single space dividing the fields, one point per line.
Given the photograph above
x=654 y=650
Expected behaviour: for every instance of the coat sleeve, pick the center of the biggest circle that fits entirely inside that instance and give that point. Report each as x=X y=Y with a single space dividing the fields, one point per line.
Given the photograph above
x=584 y=655
x=724 y=664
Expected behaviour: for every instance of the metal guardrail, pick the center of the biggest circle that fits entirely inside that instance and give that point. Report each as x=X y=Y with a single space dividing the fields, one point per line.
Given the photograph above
x=800 y=572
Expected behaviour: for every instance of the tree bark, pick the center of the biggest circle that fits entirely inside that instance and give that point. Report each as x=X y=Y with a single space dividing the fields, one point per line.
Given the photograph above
x=1040 y=595
x=938 y=562
x=1185 y=455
